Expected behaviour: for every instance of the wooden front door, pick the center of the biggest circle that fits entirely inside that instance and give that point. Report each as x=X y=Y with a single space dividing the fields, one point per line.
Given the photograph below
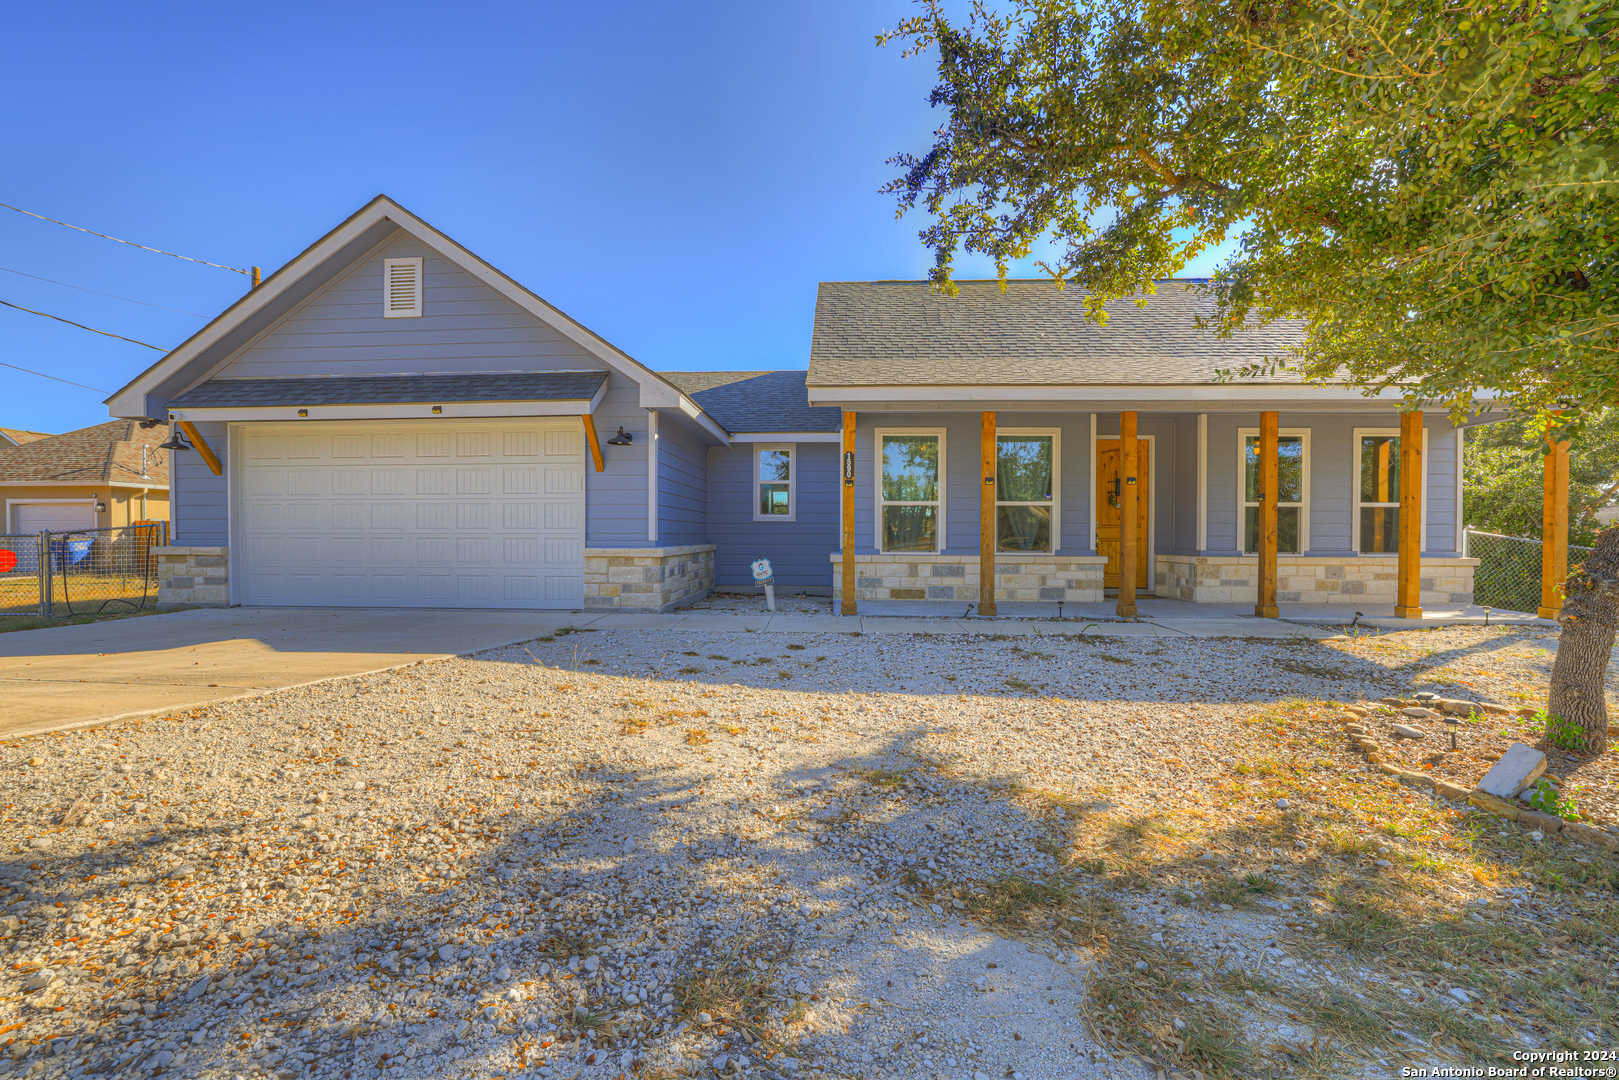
x=1107 y=510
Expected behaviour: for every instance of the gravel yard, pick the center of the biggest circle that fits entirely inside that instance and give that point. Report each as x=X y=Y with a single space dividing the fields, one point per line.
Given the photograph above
x=784 y=855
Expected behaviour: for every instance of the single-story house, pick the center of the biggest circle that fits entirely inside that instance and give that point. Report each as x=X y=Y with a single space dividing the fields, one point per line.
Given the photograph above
x=388 y=420
x=99 y=477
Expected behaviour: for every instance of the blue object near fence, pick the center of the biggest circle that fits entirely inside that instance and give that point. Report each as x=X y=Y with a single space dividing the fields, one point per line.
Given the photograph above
x=70 y=552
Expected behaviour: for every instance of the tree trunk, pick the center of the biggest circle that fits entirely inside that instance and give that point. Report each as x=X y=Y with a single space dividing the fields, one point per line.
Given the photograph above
x=1590 y=617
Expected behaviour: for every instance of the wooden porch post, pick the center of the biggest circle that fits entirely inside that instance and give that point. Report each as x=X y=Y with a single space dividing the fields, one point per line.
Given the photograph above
x=986 y=517
x=1270 y=481
x=1554 y=529
x=849 y=607
x=1408 y=583
x=1129 y=533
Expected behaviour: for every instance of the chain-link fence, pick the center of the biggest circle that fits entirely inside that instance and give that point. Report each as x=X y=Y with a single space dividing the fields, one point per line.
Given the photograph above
x=1508 y=574
x=86 y=571
x=21 y=586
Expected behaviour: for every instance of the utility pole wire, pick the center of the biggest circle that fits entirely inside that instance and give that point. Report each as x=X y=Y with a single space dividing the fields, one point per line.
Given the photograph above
x=81 y=326
x=94 y=292
x=42 y=375
x=131 y=243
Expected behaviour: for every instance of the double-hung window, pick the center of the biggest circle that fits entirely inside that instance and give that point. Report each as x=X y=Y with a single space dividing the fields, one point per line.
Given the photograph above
x=773 y=483
x=910 y=488
x=1292 y=494
x=1377 y=492
x=1026 y=486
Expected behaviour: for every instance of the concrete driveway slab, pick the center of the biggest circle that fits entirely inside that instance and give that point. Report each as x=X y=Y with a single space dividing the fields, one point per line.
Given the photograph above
x=70 y=675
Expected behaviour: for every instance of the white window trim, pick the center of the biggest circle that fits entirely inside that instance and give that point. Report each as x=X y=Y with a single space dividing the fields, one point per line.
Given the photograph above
x=1242 y=491
x=388 y=310
x=1150 y=541
x=1055 y=435
x=11 y=521
x=792 y=481
x=878 y=502
x=1422 y=518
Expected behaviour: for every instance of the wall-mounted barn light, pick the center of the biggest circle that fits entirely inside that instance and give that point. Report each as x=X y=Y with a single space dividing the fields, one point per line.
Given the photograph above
x=621 y=439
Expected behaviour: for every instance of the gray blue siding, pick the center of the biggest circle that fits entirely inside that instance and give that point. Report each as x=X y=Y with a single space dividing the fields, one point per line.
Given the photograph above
x=465 y=326
x=961 y=474
x=1332 y=478
x=682 y=488
x=797 y=549
x=199 y=500
x=1184 y=500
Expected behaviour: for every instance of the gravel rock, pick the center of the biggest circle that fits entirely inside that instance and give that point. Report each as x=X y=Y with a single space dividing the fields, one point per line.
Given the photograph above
x=572 y=823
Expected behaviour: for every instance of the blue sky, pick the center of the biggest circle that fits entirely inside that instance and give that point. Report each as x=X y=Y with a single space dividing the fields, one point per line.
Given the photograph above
x=676 y=176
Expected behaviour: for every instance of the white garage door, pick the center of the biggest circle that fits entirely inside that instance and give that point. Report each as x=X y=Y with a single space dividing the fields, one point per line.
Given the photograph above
x=475 y=514
x=30 y=518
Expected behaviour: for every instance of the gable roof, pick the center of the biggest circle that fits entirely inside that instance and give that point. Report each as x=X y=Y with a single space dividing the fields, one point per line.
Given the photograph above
x=757 y=400
x=149 y=394
x=107 y=453
x=16 y=436
x=900 y=333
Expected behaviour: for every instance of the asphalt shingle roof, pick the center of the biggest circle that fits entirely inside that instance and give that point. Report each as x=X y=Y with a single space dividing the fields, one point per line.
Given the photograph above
x=898 y=333
x=391 y=389
x=17 y=436
x=107 y=453
x=756 y=400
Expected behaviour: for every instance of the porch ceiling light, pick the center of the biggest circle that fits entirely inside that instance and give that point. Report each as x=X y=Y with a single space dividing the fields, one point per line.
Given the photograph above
x=621 y=439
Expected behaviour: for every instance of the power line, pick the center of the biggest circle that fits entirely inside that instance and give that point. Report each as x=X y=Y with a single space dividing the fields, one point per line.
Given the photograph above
x=81 y=288
x=131 y=243
x=81 y=326
x=42 y=375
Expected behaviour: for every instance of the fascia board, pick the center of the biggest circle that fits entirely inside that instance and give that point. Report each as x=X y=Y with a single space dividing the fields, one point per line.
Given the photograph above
x=129 y=400
x=787 y=436
x=1221 y=398
x=411 y=411
x=702 y=425
x=655 y=392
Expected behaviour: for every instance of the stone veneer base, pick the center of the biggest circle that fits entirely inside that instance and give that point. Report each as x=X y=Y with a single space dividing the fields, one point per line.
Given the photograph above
x=193 y=576
x=1309 y=579
x=649 y=579
x=1073 y=579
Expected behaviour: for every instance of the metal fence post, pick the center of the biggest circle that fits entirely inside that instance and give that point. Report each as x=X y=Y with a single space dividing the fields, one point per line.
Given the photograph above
x=44 y=567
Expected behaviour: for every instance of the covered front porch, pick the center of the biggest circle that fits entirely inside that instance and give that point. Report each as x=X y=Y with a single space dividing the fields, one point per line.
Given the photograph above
x=1097 y=511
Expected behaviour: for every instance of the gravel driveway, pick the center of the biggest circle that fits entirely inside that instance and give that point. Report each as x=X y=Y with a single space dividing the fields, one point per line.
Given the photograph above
x=616 y=851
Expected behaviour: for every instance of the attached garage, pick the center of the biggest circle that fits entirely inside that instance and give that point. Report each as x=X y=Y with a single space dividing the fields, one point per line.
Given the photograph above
x=447 y=513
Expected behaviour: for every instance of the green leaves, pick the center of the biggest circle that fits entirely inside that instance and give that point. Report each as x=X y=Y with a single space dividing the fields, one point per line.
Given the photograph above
x=1426 y=185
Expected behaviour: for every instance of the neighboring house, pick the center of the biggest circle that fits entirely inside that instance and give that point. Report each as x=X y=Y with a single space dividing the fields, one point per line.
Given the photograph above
x=16 y=437
x=390 y=421
x=97 y=477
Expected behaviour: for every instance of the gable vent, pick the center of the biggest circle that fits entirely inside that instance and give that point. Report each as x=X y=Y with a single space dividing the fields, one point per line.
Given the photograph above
x=401 y=288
